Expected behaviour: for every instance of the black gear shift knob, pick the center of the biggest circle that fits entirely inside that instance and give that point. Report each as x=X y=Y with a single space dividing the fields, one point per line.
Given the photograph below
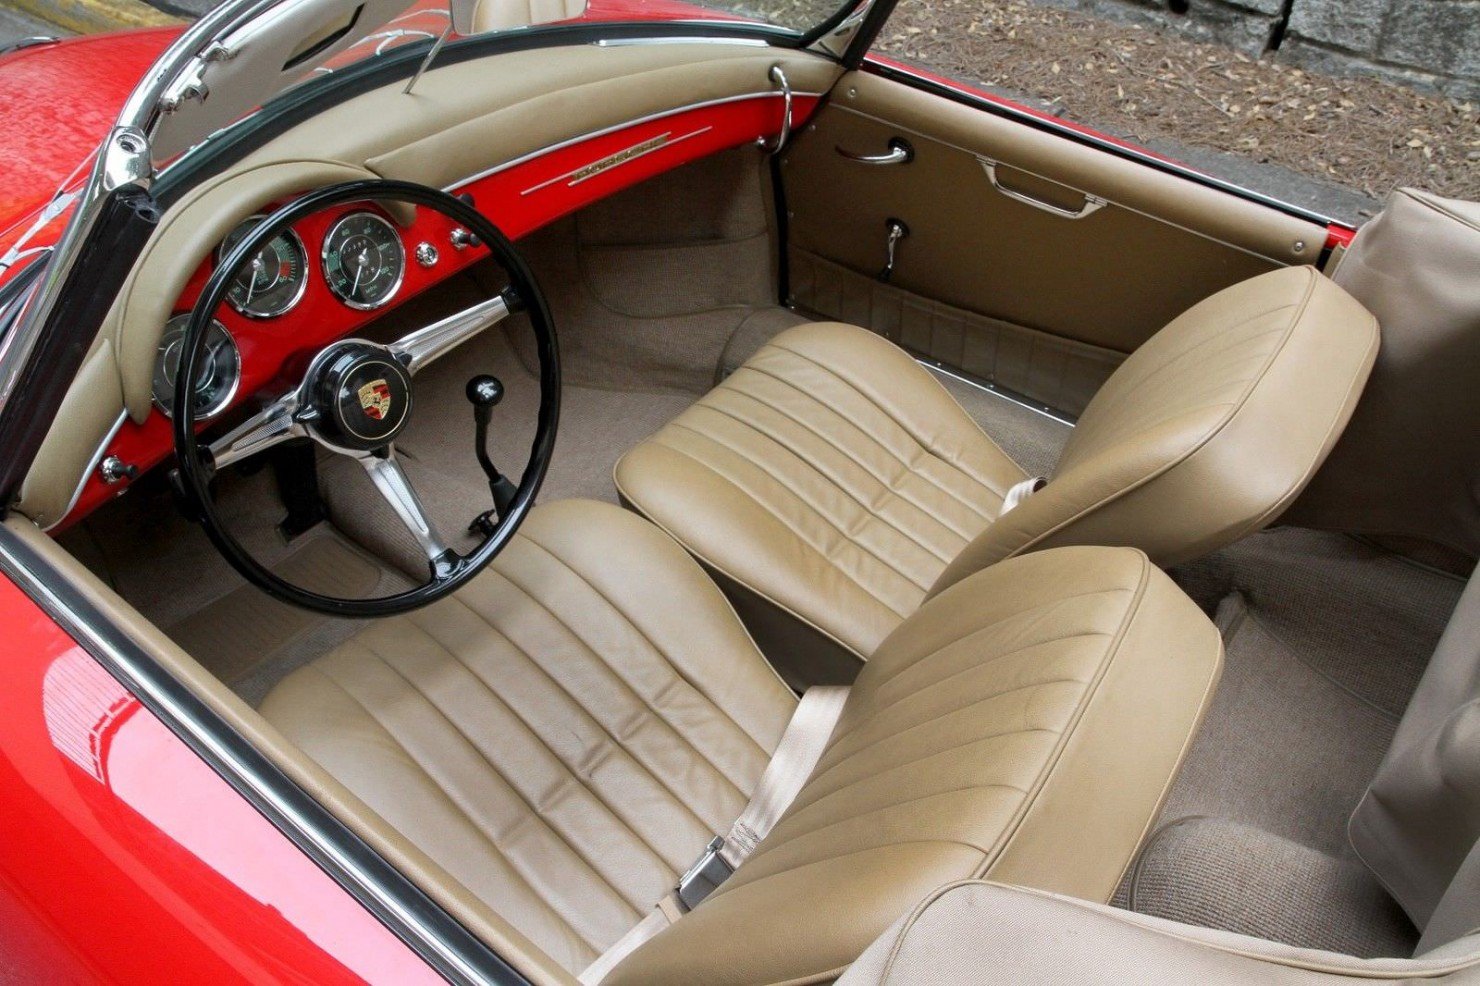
x=485 y=391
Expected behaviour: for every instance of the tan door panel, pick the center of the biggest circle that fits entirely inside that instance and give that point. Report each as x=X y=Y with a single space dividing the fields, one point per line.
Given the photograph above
x=992 y=246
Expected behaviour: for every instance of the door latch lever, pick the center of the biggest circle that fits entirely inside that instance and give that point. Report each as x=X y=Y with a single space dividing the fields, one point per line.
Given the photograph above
x=897 y=231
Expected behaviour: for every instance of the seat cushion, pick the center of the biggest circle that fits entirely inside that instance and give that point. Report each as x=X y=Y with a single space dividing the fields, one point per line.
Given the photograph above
x=1207 y=432
x=832 y=476
x=564 y=735
x=1022 y=726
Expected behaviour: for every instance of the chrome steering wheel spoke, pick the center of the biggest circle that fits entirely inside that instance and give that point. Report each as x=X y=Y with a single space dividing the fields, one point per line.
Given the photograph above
x=355 y=399
x=273 y=425
x=418 y=349
x=390 y=479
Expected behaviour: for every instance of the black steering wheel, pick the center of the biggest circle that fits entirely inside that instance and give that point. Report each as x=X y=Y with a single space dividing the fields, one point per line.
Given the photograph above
x=356 y=397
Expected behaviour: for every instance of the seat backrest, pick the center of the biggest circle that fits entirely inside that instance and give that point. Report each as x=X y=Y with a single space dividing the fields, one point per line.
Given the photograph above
x=1000 y=731
x=1419 y=821
x=1205 y=433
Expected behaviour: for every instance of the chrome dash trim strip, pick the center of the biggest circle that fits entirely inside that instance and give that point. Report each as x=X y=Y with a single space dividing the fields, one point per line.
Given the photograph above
x=694 y=40
x=637 y=151
x=614 y=128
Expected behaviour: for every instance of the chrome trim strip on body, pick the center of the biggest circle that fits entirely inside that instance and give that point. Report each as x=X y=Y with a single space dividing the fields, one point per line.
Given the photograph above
x=997 y=390
x=614 y=128
x=225 y=750
x=1281 y=261
x=92 y=465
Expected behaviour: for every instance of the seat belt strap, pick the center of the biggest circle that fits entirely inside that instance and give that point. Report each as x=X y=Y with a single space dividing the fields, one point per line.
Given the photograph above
x=1021 y=491
x=796 y=755
x=667 y=911
x=801 y=746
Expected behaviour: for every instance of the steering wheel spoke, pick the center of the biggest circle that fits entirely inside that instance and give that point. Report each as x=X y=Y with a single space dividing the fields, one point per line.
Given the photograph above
x=420 y=348
x=356 y=396
x=273 y=425
x=394 y=485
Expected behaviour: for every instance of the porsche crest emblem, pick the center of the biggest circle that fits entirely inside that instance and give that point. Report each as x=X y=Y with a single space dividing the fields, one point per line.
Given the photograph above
x=375 y=399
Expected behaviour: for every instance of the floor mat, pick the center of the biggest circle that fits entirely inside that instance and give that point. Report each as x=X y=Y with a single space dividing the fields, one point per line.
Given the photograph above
x=246 y=631
x=1281 y=748
x=1326 y=639
x=1216 y=873
x=232 y=635
x=1364 y=618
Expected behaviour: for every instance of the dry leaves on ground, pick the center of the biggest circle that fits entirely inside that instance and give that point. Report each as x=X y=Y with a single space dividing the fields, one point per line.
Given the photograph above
x=1138 y=83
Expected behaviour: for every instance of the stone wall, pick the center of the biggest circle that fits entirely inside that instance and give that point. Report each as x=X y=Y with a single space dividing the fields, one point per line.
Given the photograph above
x=1428 y=43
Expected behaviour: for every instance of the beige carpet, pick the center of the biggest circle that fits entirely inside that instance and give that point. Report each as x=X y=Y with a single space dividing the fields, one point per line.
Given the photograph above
x=1326 y=639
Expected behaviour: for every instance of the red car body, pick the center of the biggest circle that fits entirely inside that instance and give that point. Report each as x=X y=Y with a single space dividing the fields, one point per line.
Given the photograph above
x=123 y=854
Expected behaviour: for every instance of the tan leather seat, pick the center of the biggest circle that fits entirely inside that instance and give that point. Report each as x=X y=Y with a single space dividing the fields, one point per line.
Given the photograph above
x=1417 y=828
x=832 y=484
x=566 y=735
x=563 y=735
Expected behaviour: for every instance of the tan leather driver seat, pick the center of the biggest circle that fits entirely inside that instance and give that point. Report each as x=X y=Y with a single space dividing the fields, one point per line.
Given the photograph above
x=564 y=736
x=832 y=485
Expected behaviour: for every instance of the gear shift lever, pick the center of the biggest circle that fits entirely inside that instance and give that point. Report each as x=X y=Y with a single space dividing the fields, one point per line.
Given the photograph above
x=484 y=392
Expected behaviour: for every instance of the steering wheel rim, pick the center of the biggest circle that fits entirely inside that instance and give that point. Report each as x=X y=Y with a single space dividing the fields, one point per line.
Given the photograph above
x=196 y=473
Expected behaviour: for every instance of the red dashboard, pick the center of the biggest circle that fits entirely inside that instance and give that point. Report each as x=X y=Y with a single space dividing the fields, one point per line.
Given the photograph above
x=520 y=197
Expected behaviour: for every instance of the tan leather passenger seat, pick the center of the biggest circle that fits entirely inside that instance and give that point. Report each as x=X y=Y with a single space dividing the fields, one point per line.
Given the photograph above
x=565 y=735
x=1416 y=828
x=833 y=485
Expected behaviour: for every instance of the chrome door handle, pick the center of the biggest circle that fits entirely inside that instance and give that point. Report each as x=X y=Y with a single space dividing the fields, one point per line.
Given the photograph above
x=900 y=152
x=778 y=76
x=1092 y=203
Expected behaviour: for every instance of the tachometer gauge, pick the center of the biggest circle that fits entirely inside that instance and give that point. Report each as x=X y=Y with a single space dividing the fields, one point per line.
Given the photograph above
x=216 y=378
x=364 y=260
x=272 y=282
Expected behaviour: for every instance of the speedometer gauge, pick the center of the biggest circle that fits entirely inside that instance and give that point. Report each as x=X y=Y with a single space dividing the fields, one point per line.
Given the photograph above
x=272 y=282
x=217 y=374
x=364 y=260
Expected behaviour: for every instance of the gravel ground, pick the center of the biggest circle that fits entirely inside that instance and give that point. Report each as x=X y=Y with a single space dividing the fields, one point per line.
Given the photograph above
x=1363 y=134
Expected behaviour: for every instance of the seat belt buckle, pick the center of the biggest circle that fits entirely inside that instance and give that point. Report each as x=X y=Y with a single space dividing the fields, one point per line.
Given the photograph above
x=707 y=873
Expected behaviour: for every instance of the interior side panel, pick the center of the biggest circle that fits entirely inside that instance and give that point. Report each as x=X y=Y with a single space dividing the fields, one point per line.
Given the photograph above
x=1010 y=291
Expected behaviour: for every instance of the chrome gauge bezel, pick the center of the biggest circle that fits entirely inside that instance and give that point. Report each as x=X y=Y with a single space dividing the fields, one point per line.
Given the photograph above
x=298 y=293
x=177 y=325
x=400 y=260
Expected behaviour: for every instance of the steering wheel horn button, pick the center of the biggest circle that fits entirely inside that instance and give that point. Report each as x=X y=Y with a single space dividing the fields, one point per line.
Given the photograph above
x=362 y=394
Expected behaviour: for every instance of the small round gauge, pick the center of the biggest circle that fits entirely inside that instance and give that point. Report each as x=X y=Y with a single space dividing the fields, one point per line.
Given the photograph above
x=364 y=260
x=272 y=282
x=216 y=378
